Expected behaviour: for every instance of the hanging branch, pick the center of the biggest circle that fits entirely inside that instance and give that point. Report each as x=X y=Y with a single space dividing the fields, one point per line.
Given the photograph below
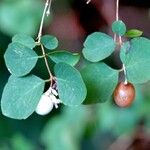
x=120 y=41
x=117 y=10
x=45 y=12
x=88 y=1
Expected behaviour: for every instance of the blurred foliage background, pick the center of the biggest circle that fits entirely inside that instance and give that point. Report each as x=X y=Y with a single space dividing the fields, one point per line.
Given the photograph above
x=88 y=127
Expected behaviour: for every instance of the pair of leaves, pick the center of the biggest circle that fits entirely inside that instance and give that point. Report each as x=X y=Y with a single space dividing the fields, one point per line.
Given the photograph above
x=99 y=46
x=50 y=42
x=71 y=88
x=136 y=57
x=22 y=94
x=19 y=57
x=100 y=79
x=119 y=28
x=134 y=54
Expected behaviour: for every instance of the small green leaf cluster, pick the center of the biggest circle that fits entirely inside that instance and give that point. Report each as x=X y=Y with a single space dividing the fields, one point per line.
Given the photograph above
x=95 y=82
x=100 y=79
x=119 y=28
x=134 y=54
x=23 y=90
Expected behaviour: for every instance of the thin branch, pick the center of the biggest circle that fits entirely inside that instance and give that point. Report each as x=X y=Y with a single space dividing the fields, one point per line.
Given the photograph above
x=117 y=10
x=46 y=9
x=88 y=1
x=46 y=62
x=115 y=37
x=120 y=42
x=45 y=12
x=125 y=74
x=49 y=8
x=117 y=17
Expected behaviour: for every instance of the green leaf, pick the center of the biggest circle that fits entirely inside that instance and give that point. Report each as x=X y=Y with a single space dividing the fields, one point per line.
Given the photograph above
x=21 y=96
x=119 y=27
x=136 y=58
x=100 y=81
x=71 y=88
x=64 y=56
x=49 y=41
x=19 y=59
x=98 y=46
x=133 y=33
x=24 y=40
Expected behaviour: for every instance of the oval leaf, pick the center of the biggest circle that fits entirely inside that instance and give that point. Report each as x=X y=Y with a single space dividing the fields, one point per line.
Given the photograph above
x=133 y=33
x=119 y=27
x=100 y=81
x=21 y=96
x=49 y=41
x=64 y=56
x=98 y=46
x=136 y=58
x=19 y=59
x=71 y=88
x=24 y=40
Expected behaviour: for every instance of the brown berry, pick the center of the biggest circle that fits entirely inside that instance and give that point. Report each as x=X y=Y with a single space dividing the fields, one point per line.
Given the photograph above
x=124 y=94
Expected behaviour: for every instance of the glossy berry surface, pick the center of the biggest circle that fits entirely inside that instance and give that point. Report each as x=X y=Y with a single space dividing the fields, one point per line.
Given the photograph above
x=124 y=94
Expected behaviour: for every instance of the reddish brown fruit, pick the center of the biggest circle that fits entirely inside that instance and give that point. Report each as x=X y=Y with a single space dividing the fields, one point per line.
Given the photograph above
x=124 y=94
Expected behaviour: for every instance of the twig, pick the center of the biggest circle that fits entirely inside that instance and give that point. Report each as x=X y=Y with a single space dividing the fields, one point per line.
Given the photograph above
x=117 y=10
x=46 y=62
x=120 y=42
x=45 y=12
x=125 y=74
x=88 y=1
x=49 y=8
x=117 y=17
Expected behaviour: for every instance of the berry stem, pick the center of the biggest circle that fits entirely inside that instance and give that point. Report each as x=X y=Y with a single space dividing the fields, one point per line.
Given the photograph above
x=125 y=74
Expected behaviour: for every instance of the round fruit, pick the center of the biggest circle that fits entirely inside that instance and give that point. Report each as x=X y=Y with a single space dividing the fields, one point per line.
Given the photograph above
x=124 y=94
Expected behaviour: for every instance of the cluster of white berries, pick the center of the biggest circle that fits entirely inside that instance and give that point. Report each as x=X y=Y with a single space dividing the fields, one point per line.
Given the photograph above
x=48 y=100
